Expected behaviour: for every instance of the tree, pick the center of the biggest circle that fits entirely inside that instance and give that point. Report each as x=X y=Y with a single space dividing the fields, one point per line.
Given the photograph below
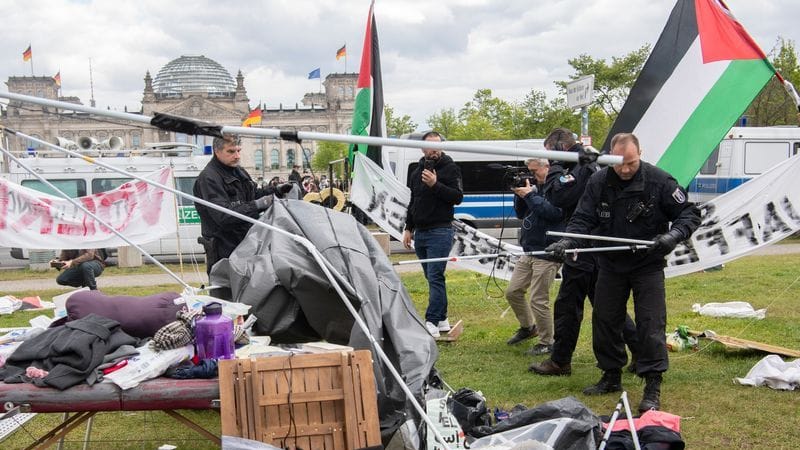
x=445 y=122
x=397 y=126
x=773 y=106
x=327 y=152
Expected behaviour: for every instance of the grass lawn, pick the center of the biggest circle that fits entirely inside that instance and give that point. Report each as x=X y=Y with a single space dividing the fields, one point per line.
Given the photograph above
x=717 y=414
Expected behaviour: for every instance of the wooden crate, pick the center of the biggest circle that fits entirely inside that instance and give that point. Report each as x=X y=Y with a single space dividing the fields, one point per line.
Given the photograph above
x=322 y=401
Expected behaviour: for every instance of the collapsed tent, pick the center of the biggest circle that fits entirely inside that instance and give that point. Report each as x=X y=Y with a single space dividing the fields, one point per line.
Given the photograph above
x=294 y=301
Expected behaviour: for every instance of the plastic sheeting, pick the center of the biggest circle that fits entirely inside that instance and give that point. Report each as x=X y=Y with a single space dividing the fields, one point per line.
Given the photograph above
x=295 y=302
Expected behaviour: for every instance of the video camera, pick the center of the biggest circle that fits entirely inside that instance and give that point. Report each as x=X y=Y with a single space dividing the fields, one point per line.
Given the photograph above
x=515 y=176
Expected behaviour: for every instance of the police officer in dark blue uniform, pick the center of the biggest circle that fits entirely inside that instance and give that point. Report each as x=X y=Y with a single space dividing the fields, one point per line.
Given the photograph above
x=633 y=200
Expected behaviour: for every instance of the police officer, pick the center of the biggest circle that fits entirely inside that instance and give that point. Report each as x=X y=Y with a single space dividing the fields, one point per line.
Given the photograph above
x=634 y=200
x=564 y=187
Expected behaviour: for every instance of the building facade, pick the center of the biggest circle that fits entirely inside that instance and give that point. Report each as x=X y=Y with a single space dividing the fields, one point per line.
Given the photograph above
x=189 y=86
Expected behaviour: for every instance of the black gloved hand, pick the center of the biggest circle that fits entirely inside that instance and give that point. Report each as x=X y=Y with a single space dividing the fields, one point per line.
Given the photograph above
x=264 y=202
x=587 y=154
x=559 y=249
x=665 y=243
x=283 y=189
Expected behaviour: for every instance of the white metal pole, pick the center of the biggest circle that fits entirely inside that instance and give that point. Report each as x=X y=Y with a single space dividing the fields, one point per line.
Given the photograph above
x=600 y=238
x=346 y=138
x=534 y=253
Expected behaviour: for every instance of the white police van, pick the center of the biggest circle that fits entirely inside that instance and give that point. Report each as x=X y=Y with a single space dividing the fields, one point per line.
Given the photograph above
x=488 y=200
x=77 y=178
x=744 y=153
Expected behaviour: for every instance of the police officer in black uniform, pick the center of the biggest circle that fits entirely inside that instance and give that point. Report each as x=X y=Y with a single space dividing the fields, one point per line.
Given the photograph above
x=564 y=187
x=633 y=200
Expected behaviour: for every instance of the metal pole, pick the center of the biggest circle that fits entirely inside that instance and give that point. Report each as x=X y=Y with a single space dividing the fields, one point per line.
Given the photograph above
x=600 y=238
x=346 y=138
x=534 y=253
x=631 y=425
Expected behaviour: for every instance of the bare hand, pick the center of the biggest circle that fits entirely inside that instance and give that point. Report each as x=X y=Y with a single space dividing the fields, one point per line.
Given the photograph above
x=429 y=177
x=525 y=190
x=67 y=264
x=407 y=239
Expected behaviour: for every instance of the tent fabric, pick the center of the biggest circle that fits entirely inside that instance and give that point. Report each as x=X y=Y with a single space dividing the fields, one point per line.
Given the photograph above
x=294 y=301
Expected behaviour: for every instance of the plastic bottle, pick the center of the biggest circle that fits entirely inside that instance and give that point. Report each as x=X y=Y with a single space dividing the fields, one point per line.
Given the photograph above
x=214 y=334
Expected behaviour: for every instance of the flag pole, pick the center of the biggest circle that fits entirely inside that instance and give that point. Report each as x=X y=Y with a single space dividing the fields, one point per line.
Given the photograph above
x=317 y=136
x=532 y=253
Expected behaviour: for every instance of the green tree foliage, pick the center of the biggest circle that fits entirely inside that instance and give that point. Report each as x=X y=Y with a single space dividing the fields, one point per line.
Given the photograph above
x=397 y=125
x=773 y=106
x=327 y=152
x=446 y=122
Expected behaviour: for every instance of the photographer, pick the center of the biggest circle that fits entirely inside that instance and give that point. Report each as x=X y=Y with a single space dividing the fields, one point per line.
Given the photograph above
x=538 y=216
x=81 y=267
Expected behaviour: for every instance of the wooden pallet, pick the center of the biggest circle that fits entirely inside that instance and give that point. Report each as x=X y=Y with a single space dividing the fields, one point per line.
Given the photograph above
x=321 y=401
x=453 y=334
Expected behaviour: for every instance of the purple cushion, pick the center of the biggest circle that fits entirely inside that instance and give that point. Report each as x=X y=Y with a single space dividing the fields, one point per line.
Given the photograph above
x=139 y=316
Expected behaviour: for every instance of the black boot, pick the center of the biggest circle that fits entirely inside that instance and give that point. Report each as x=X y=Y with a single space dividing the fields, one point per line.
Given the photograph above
x=611 y=381
x=652 y=392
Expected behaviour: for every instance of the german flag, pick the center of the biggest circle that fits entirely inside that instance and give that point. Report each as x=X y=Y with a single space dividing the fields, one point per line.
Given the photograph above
x=341 y=53
x=253 y=118
x=57 y=78
x=27 y=54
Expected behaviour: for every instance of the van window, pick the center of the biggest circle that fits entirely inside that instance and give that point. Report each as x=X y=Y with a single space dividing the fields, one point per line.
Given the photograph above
x=73 y=188
x=107 y=184
x=796 y=148
x=477 y=177
x=761 y=156
x=185 y=185
x=710 y=166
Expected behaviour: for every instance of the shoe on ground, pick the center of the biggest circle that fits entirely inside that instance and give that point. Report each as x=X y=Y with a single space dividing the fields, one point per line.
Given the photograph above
x=632 y=365
x=433 y=330
x=540 y=349
x=444 y=326
x=611 y=381
x=652 y=392
x=550 y=367
x=522 y=334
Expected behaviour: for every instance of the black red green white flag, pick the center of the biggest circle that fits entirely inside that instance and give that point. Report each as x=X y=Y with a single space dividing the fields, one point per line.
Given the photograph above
x=702 y=74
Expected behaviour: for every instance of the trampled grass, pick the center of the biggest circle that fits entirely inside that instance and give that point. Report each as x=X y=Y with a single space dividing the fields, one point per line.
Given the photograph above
x=716 y=413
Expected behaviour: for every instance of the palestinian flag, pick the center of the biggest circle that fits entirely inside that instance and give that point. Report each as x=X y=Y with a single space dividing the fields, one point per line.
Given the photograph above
x=368 y=117
x=702 y=74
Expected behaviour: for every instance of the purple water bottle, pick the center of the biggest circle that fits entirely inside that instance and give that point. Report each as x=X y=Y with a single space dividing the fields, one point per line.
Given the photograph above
x=214 y=334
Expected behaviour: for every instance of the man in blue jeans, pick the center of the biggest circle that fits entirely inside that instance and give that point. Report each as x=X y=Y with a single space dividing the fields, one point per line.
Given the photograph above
x=81 y=267
x=435 y=190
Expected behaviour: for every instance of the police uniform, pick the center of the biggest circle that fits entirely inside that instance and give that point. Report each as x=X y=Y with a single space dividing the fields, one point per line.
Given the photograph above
x=649 y=204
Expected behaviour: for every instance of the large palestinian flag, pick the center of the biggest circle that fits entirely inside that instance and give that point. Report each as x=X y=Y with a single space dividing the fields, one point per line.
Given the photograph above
x=703 y=73
x=368 y=117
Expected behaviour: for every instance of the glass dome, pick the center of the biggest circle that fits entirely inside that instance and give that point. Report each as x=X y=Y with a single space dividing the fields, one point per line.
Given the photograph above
x=193 y=74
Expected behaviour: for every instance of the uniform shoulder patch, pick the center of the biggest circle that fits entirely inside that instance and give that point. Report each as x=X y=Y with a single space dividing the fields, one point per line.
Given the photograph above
x=679 y=196
x=565 y=179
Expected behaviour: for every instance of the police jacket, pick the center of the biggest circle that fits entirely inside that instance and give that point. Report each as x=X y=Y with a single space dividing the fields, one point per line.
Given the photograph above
x=564 y=187
x=231 y=188
x=538 y=216
x=433 y=207
x=640 y=208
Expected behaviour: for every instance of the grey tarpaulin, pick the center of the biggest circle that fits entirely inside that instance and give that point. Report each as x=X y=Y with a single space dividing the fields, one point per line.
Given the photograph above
x=294 y=301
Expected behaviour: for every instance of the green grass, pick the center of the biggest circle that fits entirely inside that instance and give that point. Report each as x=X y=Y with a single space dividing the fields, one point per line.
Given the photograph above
x=716 y=414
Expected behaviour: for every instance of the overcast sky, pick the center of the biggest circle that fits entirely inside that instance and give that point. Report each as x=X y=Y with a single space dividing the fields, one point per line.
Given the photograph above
x=435 y=54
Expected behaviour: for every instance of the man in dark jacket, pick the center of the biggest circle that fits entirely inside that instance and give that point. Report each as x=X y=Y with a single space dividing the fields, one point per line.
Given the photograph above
x=224 y=183
x=565 y=185
x=435 y=190
x=632 y=200
x=538 y=217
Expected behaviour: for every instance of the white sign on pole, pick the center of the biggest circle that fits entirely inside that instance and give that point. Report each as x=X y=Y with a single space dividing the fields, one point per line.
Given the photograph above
x=580 y=92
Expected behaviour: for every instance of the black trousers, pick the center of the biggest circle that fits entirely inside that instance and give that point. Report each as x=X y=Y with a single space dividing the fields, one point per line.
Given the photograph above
x=650 y=310
x=576 y=285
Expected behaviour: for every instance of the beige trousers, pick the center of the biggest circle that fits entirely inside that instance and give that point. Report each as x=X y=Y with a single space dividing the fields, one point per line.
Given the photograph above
x=536 y=274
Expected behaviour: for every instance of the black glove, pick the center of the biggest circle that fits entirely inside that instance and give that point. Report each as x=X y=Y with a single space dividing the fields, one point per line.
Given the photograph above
x=665 y=243
x=264 y=202
x=559 y=249
x=587 y=155
x=283 y=189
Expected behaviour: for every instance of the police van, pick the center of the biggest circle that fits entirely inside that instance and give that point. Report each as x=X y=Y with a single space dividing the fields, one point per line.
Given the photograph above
x=78 y=178
x=744 y=153
x=488 y=200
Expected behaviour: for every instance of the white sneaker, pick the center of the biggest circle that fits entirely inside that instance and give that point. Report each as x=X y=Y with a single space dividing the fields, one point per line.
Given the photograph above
x=432 y=329
x=444 y=326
